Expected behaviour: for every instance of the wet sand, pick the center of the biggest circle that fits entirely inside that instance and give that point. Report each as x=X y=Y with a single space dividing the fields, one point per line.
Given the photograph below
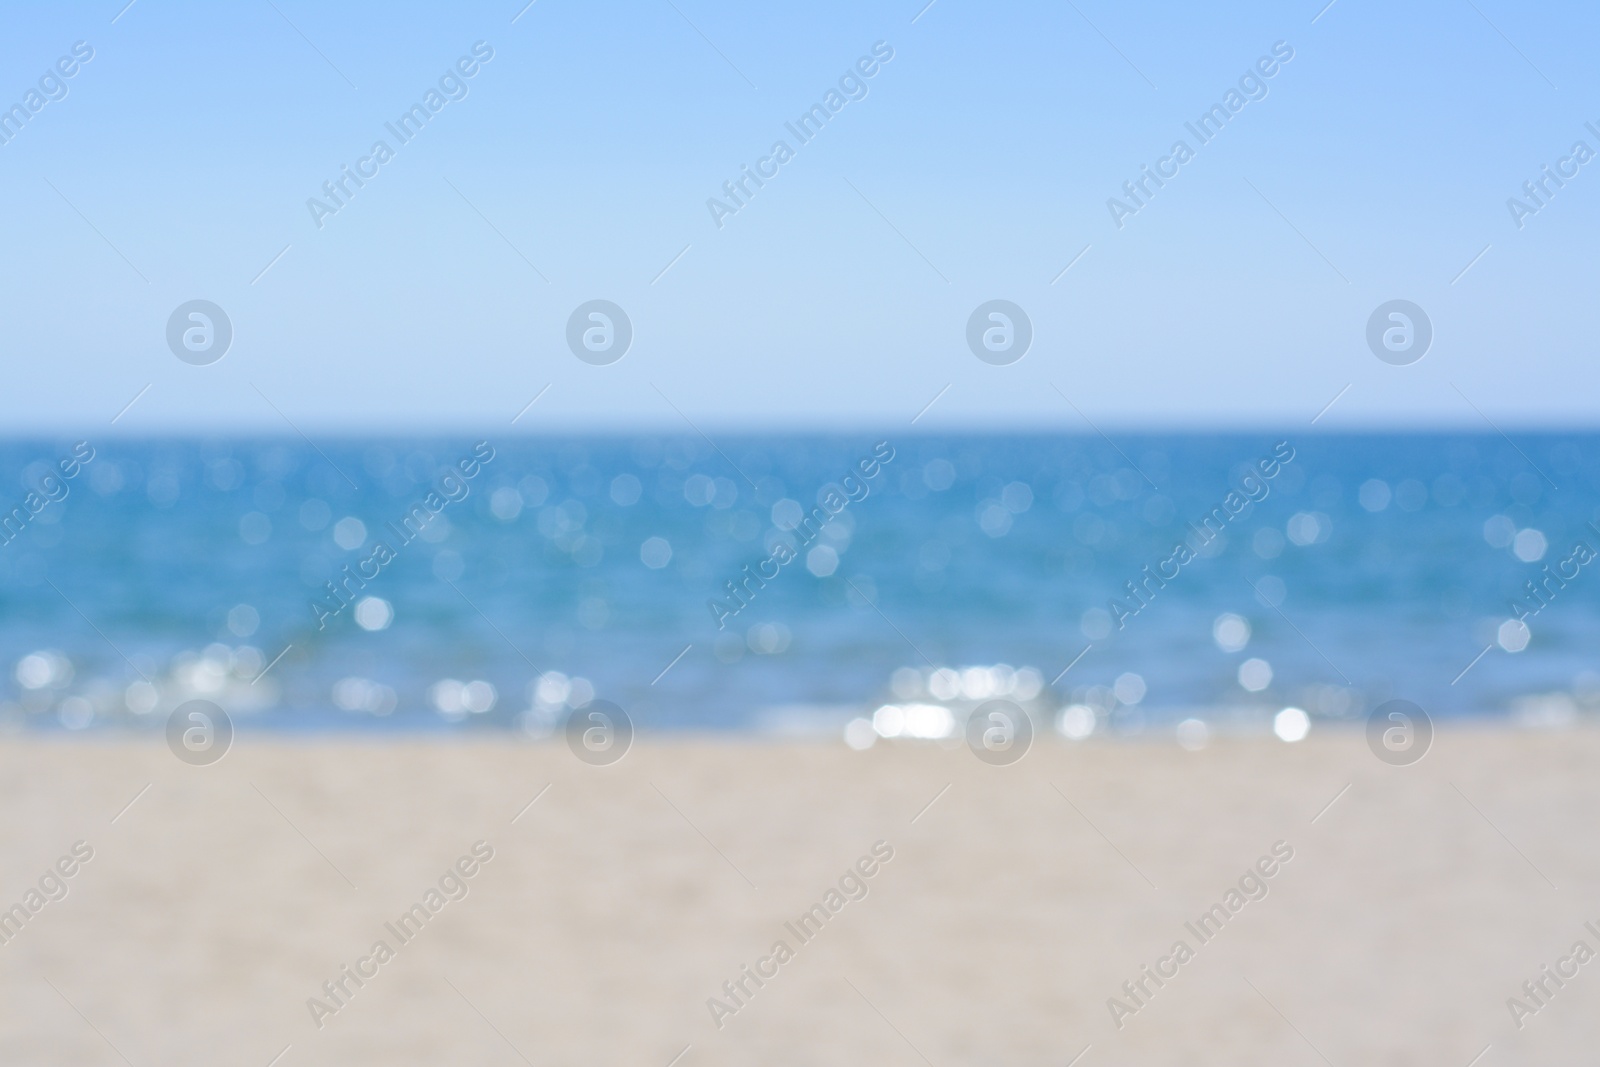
x=1014 y=906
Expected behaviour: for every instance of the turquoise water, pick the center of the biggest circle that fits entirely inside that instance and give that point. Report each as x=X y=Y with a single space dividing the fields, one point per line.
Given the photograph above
x=1368 y=567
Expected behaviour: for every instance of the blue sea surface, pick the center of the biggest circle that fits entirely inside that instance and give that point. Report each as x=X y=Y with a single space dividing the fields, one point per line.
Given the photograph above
x=1369 y=567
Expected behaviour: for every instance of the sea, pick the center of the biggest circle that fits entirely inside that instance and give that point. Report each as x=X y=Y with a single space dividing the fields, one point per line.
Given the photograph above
x=1116 y=586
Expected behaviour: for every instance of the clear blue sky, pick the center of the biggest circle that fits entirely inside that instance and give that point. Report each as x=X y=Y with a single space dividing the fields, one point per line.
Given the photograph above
x=978 y=165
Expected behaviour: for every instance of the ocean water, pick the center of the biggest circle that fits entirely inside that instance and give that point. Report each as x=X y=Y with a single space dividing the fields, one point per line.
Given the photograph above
x=1363 y=567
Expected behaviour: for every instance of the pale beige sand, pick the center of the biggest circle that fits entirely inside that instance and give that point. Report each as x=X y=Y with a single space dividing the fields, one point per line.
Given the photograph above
x=995 y=935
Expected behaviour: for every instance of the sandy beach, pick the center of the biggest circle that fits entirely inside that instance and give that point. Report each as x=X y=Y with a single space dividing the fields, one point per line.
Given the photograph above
x=969 y=914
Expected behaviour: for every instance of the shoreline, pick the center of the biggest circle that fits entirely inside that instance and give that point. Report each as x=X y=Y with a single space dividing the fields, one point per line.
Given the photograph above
x=506 y=735
x=1020 y=900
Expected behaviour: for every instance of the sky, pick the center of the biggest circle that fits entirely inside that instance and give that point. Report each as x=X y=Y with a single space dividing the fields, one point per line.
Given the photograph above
x=976 y=164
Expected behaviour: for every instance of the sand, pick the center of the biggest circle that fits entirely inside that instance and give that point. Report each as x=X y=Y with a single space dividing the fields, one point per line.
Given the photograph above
x=1014 y=906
